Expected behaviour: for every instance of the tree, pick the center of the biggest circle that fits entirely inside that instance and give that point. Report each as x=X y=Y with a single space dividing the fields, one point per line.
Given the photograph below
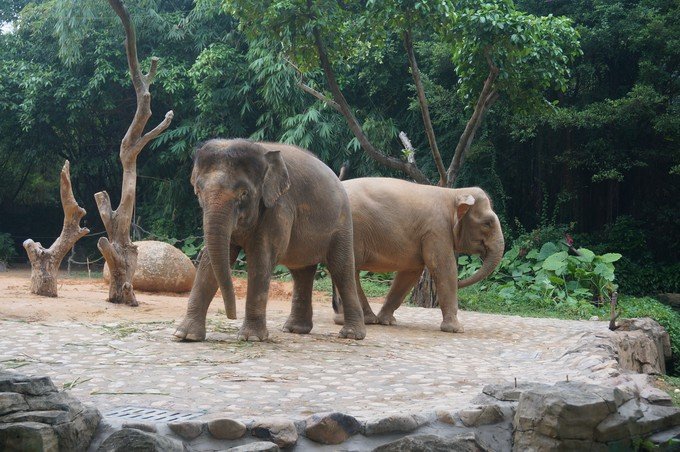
x=118 y=250
x=522 y=56
x=45 y=262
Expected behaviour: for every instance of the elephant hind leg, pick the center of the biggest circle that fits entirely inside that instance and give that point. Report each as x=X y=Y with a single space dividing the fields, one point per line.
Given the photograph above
x=300 y=319
x=402 y=284
x=340 y=263
x=369 y=316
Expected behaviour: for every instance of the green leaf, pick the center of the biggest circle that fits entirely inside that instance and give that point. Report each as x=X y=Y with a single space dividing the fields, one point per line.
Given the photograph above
x=546 y=250
x=586 y=255
x=610 y=257
x=556 y=261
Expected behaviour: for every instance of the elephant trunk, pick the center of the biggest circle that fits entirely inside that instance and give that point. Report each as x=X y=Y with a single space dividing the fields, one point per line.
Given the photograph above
x=493 y=256
x=218 y=225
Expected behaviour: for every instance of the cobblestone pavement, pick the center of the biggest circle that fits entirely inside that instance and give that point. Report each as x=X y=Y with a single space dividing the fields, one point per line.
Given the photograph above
x=408 y=367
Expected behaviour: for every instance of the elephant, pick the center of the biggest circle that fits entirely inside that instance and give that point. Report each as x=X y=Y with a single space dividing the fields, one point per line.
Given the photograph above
x=402 y=227
x=281 y=205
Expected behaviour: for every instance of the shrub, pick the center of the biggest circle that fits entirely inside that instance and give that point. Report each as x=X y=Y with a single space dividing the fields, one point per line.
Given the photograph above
x=7 y=250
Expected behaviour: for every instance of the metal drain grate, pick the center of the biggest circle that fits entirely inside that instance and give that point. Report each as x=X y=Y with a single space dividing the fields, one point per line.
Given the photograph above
x=150 y=414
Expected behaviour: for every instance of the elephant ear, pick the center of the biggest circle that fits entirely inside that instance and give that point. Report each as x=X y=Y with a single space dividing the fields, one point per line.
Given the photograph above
x=463 y=206
x=276 y=181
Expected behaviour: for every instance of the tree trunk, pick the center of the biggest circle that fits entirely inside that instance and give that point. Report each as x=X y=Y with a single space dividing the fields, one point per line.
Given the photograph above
x=118 y=249
x=425 y=293
x=45 y=262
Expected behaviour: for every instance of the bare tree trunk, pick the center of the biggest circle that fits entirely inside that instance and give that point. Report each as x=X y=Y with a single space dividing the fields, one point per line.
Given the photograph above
x=45 y=262
x=117 y=249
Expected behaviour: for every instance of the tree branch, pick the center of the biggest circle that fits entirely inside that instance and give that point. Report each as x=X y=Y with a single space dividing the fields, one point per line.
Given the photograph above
x=424 y=109
x=486 y=98
x=390 y=162
x=308 y=89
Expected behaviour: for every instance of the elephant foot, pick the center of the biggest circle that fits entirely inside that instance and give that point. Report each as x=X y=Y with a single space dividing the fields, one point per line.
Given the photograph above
x=357 y=332
x=253 y=331
x=297 y=326
x=386 y=319
x=190 y=330
x=452 y=327
x=370 y=318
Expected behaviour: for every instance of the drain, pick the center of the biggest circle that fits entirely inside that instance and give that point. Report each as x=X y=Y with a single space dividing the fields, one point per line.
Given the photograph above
x=150 y=414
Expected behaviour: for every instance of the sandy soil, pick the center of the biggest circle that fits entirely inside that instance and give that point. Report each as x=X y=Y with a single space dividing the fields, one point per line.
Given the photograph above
x=83 y=299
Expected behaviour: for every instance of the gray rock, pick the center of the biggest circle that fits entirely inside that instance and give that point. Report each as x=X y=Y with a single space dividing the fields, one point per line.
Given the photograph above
x=11 y=402
x=143 y=426
x=332 y=428
x=656 y=396
x=226 y=428
x=621 y=424
x=257 y=446
x=398 y=423
x=565 y=410
x=77 y=434
x=11 y=382
x=433 y=443
x=27 y=436
x=481 y=415
x=280 y=431
x=130 y=439
x=187 y=429
x=644 y=345
x=510 y=392
x=51 y=417
x=54 y=401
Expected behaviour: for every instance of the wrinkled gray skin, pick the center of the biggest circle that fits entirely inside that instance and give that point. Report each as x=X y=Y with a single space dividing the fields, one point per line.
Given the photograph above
x=403 y=227
x=281 y=205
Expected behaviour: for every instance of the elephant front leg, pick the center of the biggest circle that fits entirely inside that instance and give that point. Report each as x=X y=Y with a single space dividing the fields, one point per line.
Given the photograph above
x=254 y=326
x=300 y=319
x=192 y=327
x=445 y=274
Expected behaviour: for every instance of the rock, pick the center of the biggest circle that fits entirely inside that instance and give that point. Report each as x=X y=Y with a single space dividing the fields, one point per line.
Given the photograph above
x=672 y=299
x=160 y=268
x=644 y=347
x=257 y=446
x=656 y=396
x=277 y=430
x=566 y=410
x=510 y=392
x=143 y=426
x=130 y=439
x=11 y=402
x=594 y=319
x=11 y=382
x=621 y=424
x=482 y=415
x=433 y=443
x=44 y=409
x=226 y=428
x=187 y=429
x=332 y=428
x=398 y=423
x=28 y=436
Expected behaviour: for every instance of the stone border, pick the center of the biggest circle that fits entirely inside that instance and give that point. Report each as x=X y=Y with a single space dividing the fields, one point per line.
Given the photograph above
x=566 y=415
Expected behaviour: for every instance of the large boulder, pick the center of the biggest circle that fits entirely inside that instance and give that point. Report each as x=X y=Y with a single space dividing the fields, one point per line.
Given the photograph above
x=160 y=268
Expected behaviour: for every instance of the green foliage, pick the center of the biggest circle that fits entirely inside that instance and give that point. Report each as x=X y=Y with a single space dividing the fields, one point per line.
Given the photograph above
x=550 y=276
x=532 y=53
x=7 y=250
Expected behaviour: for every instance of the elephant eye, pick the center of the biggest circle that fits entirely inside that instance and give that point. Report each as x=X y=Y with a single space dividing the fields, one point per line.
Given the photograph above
x=243 y=195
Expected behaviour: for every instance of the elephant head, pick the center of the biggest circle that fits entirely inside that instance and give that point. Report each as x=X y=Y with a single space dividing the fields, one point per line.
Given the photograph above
x=234 y=180
x=477 y=230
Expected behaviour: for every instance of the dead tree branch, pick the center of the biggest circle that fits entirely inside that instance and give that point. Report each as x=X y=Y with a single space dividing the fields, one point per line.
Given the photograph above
x=117 y=249
x=45 y=262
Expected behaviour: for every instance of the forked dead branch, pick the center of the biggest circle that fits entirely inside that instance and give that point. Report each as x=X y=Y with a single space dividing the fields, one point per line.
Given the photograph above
x=118 y=250
x=45 y=262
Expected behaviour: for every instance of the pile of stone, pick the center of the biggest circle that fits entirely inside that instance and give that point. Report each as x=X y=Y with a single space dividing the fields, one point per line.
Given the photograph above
x=34 y=416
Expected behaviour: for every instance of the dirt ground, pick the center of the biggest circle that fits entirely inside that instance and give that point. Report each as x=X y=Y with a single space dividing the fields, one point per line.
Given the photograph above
x=82 y=299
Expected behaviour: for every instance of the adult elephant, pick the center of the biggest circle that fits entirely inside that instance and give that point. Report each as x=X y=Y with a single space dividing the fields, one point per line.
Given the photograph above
x=280 y=204
x=401 y=226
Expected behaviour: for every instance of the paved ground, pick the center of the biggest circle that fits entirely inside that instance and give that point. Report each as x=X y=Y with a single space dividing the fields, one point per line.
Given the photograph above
x=409 y=367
